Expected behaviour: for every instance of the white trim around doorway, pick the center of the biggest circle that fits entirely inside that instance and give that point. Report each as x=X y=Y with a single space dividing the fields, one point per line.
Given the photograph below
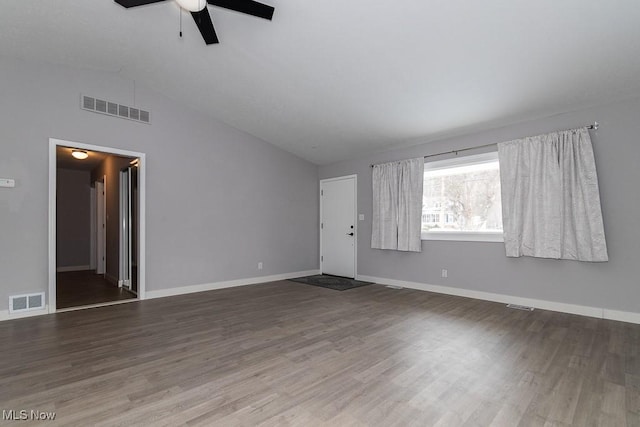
x=53 y=144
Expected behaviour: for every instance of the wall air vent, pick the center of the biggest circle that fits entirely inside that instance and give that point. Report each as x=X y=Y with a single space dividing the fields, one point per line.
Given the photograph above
x=27 y=302
x=520 y=307
x=101 y=106
x=114 y=109
x=88 y=103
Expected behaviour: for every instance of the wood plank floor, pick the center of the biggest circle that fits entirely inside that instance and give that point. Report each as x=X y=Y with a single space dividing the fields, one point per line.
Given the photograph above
x=79 y=288
x=289 y=354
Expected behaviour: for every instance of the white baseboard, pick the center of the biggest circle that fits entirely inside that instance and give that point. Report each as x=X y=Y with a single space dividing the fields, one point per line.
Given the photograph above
x=5 y=315
x=161 y=293
x=73 y=268
x=582 y=310
x=621 y=316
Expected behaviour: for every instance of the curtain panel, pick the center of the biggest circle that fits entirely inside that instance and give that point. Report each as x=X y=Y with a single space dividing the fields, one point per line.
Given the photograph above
x=550 y=197
x=397 y=205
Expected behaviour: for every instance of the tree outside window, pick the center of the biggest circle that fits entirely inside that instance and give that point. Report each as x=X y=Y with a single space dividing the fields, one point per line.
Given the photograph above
x=464 y=197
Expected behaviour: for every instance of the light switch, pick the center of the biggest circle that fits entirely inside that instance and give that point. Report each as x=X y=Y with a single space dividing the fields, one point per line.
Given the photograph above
x=6 y=182
x=361 y=217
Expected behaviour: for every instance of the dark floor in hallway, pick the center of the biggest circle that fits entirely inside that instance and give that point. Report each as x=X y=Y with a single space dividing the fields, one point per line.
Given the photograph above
x=79 y=288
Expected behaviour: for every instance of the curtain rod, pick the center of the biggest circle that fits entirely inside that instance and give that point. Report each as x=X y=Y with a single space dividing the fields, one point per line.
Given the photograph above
x=594 y=126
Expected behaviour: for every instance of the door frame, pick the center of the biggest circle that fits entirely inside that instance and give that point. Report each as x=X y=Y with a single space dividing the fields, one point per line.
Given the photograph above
x=356 y=228
x=53 y=144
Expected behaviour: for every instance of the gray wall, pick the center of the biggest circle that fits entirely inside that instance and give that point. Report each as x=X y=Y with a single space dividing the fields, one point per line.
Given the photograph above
x=218 y=200
x=483 y=266
x=73 y=220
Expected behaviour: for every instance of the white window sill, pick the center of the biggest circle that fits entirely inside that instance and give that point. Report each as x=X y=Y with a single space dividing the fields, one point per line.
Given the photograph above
x=464 y=236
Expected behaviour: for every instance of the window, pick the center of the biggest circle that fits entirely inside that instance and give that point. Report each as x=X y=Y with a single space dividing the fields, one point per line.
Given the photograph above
x=461 y=199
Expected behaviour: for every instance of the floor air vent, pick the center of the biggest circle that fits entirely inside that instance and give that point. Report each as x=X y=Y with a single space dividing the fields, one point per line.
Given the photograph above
x=520 y=307
x=28 y=302
x=113 y=109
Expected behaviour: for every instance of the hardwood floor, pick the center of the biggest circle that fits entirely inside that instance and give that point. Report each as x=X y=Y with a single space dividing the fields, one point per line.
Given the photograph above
x=80 y=288
x=286 y=353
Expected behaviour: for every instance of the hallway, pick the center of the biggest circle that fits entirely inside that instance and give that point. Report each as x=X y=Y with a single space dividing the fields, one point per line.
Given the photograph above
x=80 y=288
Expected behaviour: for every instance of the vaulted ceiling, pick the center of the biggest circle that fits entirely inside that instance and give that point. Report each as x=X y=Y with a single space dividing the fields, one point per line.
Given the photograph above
x=328 y=80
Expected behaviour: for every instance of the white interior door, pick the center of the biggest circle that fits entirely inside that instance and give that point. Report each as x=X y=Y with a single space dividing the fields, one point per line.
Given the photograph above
x=125 y=229
x=93 y=221
x=338 y=231
x=101 y=229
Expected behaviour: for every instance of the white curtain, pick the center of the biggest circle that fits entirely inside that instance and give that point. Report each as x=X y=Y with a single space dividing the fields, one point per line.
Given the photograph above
x=397 y=205
x=550 y=197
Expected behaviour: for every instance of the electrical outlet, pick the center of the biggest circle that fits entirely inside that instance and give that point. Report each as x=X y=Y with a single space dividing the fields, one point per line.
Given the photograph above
x=260 y=266
x=445 y=273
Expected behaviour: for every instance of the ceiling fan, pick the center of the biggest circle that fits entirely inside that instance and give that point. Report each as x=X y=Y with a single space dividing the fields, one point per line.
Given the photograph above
x=198 y=9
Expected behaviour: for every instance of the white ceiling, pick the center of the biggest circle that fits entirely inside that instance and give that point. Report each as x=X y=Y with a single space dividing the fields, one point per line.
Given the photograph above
x=328 y=80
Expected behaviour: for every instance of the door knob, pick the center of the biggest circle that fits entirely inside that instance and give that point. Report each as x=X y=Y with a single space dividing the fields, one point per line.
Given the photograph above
x=349 y=234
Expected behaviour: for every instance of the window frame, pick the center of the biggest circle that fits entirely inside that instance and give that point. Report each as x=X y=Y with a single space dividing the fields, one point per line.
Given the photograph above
x=463 y=236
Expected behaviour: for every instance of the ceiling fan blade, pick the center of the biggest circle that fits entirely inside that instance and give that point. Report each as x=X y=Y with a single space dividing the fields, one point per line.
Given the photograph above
x=249 y=7
x=134 y=3
x=205 y=25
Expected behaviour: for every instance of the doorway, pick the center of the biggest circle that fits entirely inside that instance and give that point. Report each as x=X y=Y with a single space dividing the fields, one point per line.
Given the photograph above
x=96 y=277
x=338 y=226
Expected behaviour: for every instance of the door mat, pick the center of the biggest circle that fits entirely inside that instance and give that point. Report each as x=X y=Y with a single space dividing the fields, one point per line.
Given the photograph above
x=336 y=283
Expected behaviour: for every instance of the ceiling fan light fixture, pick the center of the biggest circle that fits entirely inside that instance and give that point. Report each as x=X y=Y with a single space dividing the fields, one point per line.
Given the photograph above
x=192 y=5
x=79 y=154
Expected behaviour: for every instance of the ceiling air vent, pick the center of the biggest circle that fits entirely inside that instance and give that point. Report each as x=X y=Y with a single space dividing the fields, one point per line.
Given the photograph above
x=114 y=109
x=27 y=302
